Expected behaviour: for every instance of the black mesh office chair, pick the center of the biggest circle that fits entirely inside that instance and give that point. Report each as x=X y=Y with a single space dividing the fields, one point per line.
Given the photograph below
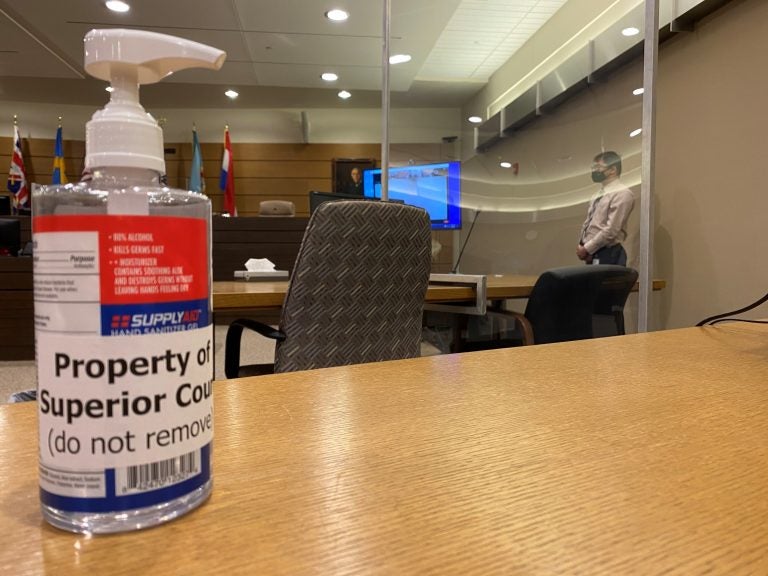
x=356 y=293
x=564 y=300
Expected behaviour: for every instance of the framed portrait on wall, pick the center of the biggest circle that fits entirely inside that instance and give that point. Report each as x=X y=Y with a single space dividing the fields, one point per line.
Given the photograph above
x=347 y=174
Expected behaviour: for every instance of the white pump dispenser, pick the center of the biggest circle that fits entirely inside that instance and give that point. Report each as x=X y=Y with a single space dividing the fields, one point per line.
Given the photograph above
x=122 y=276
x=123 y=134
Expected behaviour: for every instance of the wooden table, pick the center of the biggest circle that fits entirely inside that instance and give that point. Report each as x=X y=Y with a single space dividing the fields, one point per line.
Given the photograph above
x=251 y=295
x=643 y=454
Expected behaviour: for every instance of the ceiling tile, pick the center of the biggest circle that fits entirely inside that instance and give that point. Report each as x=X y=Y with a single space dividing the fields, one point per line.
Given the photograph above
x=489 y=31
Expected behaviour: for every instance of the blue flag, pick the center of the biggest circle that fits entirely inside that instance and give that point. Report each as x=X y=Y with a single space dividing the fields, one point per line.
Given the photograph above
x=59 y=175
x=196 y=180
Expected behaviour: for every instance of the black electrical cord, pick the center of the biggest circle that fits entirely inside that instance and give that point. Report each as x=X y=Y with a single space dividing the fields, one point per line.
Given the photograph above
x=738 y=320
x=740 y=311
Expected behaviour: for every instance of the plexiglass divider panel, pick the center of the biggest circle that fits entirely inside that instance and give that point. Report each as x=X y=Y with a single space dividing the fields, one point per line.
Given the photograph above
x=549 y=101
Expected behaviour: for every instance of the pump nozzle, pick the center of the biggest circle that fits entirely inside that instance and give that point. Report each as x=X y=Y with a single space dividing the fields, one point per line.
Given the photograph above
x=123 y=134
x=153 y=56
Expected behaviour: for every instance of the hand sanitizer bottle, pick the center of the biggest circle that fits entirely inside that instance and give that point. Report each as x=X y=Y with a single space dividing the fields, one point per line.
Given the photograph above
x=124 y=339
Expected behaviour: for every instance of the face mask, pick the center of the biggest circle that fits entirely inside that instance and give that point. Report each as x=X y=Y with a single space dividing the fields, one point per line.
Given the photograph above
x=598 y=176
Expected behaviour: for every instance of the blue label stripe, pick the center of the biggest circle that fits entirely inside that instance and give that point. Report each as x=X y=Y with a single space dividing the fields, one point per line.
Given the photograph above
x=154 y=318
x=114 y=503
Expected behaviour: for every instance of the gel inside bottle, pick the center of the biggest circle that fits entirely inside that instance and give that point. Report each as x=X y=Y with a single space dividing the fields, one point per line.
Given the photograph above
x=123 y=324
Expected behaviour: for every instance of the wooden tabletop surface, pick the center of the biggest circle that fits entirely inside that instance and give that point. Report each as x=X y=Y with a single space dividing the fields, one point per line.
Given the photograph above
x=258 y=294
x=642 y=454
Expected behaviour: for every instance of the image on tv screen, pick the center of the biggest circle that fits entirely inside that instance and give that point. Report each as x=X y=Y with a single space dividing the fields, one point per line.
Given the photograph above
x=434 y=187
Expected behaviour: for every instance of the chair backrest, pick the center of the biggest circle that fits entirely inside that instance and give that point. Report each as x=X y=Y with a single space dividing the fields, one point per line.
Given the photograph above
x=10 y=236
x=277 y=208
x=608 y=319
x=562 y=302
x=357 y=289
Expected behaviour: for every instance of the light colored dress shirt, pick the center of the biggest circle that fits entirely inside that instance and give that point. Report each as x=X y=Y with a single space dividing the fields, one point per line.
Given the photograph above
x=606 y=222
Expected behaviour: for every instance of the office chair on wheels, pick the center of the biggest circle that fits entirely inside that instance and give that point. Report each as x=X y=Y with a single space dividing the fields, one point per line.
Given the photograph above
x=565 y=303
x=356 y=293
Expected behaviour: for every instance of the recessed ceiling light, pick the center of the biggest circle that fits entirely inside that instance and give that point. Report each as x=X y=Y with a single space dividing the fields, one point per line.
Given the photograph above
x=337 y=15
x=231 y=94
x=344 y=95
x=109 y=89
x=635 y=132
x=329 y=76
x=638 y=91
x=630 y=31
x=505 y=164
x=117 y=6
x=399 y=58
x=475 y=119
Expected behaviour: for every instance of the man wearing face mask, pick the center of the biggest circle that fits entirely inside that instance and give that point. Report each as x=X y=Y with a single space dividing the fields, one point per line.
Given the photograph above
x=606 y=224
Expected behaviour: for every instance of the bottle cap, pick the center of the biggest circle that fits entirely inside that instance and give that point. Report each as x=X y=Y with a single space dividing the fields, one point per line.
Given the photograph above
x=123 y=134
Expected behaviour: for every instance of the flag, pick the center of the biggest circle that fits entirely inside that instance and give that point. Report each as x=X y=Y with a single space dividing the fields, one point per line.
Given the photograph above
x=227 y=179
x=196 y=179
x=59 y=175
x=17 y=177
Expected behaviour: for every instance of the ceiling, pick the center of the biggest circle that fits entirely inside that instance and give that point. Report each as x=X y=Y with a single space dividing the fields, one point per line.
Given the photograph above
x=276 y=49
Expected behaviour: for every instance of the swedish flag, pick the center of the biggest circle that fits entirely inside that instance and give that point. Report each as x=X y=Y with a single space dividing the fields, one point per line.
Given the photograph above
x=59 y=176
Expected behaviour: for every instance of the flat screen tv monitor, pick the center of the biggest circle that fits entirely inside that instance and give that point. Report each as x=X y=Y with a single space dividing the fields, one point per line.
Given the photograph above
x=434 y=187
x=10 y=237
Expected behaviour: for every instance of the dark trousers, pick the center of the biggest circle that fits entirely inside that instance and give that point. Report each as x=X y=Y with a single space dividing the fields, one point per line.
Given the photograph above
x=611 y=255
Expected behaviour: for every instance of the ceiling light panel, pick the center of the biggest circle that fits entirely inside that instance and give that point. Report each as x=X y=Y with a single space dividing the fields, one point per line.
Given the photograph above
x=483 y=35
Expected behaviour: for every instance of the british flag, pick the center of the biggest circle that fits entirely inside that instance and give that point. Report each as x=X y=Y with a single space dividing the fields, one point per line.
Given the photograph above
x=17 y=177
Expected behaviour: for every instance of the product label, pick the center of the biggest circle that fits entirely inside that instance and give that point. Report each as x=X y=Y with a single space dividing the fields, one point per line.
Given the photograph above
x=124 y=355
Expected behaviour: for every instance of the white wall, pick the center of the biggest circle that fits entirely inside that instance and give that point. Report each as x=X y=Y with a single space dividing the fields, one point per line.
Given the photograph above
x=710 y=195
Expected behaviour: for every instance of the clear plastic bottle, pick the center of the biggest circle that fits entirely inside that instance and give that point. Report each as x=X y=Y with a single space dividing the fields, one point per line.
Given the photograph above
x=123 y=320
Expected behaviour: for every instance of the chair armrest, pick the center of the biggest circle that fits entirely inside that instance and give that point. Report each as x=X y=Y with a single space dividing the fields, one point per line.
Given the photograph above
x=525 y=324
x=232 y=345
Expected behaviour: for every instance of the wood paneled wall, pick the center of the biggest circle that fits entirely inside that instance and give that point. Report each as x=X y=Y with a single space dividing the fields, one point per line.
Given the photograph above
x=17 y=326
x=38 y=159
x=265 y=171
x=262 y=171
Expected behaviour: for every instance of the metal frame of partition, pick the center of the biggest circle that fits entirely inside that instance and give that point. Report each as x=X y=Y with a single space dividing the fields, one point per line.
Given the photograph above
x=385 y=100
x=648 y=147
x=647 y=169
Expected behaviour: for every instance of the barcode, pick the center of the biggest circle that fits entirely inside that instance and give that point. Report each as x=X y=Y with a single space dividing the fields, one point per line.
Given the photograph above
x=156 y=475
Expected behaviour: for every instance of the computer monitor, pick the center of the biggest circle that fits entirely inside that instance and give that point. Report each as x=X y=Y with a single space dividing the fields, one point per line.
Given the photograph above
x=434 y=187
x=10 y=237
x=316 y=198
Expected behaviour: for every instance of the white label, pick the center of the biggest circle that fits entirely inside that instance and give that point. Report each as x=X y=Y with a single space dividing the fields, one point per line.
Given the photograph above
x=121 y=401
x=66 y=282
x=123 y=344
x=76 y=484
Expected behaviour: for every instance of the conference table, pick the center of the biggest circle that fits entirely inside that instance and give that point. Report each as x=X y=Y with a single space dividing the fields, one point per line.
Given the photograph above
x=638 y=454
x=240 y=294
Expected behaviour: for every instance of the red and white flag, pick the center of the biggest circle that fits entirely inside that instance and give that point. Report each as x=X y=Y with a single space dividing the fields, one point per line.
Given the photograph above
x=17 y=177
x=227 y=178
